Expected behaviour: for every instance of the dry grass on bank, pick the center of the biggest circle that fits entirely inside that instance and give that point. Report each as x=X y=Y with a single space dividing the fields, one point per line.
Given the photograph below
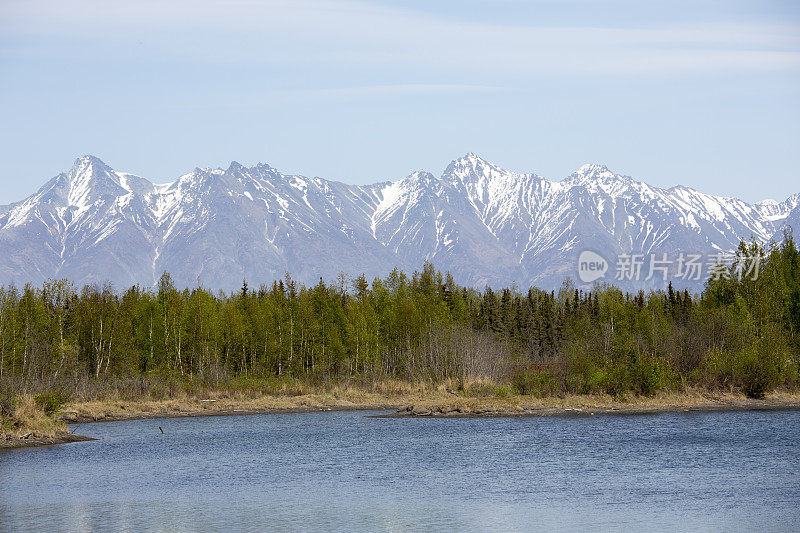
x=28 y=417
x=474 y=397
x=690 y=399
x=381 y=395
x=481 y=396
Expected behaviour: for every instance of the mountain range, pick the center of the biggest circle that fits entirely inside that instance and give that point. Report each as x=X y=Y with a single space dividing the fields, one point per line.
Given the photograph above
x=484 y=224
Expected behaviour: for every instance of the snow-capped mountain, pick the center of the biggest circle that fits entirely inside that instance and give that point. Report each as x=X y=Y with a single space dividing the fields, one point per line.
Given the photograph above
x=484 y=224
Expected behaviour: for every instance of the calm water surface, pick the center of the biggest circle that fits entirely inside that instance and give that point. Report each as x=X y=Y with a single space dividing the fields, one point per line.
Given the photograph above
x=344 y=471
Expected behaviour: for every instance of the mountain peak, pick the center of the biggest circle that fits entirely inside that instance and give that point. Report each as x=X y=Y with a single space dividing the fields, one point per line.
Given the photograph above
x=89 y=160
x=90 y=178
x=592 y=167
x=88 y=167
x=593 y=171
x=470 y=158
x=421 y=177
x=470 y=166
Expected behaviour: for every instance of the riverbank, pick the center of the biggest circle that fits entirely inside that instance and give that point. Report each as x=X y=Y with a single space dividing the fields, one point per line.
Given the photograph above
x=411 y=403
x=225 y=403
x=590 y=405
x=34 y=440
x=29 y=425
x=441 y=402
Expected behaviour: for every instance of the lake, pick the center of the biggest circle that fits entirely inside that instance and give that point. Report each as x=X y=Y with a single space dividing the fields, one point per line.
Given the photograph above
x=347 y=471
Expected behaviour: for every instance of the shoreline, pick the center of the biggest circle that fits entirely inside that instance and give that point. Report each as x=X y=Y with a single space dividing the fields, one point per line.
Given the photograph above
x=592 y=410
x=448 y=410
x=88 y=419
x=440 y=403
x=36 y=441
x=436 y=403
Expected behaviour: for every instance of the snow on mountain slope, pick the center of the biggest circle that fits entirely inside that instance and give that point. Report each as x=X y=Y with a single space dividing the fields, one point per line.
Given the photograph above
x=219 y=227
x=485 y=224
x=790 y=222
x=89 y=224
x=423 y=218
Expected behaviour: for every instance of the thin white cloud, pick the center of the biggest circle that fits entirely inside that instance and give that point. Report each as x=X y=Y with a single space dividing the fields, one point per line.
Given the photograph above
x=406 y=88
x=260 y=99
x=359 y=35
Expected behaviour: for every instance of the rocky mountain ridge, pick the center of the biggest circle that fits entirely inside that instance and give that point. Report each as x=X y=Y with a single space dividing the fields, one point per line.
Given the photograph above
x=484 y=224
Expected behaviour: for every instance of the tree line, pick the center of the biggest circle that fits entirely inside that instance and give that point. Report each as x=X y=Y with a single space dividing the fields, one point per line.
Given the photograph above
x=740 y=334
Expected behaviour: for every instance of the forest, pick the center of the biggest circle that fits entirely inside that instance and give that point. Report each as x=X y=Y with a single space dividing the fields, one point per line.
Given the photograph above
x=738 y=335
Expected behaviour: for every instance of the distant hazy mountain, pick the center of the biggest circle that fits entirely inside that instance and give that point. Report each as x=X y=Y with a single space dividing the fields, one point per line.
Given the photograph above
x=484 y=224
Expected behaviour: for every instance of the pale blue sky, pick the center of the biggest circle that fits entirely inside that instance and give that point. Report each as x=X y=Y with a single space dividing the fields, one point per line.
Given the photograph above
x=703 y=93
